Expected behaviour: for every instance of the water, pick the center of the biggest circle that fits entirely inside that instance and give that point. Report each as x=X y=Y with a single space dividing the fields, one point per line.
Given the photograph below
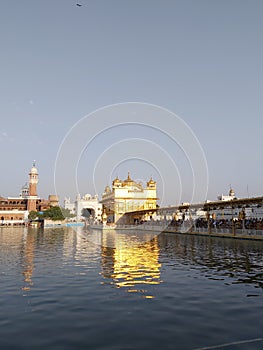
x=68 y=289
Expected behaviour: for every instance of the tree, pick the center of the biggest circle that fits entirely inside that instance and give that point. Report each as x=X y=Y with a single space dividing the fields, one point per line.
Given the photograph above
x=32 y=215
x=54 y=213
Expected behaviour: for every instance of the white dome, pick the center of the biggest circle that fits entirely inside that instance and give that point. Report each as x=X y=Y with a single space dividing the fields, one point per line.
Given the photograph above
x=33 y=170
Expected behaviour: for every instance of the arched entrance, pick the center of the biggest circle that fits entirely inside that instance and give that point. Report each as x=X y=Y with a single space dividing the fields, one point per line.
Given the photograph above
x=88 y=213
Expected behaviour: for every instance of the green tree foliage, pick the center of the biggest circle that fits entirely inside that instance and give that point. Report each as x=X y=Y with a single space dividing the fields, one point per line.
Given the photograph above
x=33 y=215
x=53 y=213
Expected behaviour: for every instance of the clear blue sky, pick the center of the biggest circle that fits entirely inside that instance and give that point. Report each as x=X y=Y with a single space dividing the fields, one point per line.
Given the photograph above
x=200 y=59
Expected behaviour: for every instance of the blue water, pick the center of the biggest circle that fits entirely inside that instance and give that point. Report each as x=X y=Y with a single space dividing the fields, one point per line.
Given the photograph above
x=67 y=288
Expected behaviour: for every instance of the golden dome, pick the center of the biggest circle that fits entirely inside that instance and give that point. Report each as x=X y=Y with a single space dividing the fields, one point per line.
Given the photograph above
x=129 y=181
x=116 y=181
x=107 y=189
x=151 y=182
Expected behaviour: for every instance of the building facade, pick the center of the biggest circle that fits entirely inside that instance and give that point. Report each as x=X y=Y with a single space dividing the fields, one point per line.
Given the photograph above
x=15 y=210
x=230 y=196
x=252 y=211
x=87 y=207
x=127 y=196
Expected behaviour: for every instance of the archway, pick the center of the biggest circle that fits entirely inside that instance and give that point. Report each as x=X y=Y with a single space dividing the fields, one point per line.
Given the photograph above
x=88 y=213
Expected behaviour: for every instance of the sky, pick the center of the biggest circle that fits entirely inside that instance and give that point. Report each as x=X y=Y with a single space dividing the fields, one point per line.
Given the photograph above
x=67 y=73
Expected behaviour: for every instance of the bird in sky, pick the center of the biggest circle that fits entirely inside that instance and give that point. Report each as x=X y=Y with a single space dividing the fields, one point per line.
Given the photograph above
x=79 y=5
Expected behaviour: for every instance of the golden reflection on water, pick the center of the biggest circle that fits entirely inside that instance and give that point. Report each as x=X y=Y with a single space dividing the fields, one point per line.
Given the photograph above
x=131 y=264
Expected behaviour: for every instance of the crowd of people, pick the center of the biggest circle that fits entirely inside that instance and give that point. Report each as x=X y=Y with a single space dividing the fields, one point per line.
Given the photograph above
x=249 y=223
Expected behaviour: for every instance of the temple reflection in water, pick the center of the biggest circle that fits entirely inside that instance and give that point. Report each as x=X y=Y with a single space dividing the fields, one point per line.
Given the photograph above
x=126 y=260
x=131 y=262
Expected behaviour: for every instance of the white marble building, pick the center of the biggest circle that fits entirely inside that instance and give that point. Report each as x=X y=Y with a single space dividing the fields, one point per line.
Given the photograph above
x=85 y=207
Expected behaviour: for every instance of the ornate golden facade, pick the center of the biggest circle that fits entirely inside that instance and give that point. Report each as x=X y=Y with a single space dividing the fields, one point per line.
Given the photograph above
x=127 y=196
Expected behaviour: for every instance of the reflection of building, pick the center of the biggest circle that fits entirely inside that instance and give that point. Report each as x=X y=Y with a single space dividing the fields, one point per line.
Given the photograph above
x=14 y=210
x=29 y=260
x=17 y=248
x=87 y=206
x=130 y=265
x=127 y=196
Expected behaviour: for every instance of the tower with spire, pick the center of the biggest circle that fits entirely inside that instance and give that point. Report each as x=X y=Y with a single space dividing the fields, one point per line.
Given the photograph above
x=33 y=181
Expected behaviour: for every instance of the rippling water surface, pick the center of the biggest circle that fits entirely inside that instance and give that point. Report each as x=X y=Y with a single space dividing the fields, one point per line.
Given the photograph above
x=73 y=289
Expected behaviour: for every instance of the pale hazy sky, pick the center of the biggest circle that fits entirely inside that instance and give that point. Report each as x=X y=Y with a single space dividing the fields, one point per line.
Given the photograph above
x=200 y=59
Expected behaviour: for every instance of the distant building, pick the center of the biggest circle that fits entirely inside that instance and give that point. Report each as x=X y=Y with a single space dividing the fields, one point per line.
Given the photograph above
x=15 y=210
x=24 y=191
x=88 y=207
x=230 y=212
x=127 y=196
x=230 y=197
